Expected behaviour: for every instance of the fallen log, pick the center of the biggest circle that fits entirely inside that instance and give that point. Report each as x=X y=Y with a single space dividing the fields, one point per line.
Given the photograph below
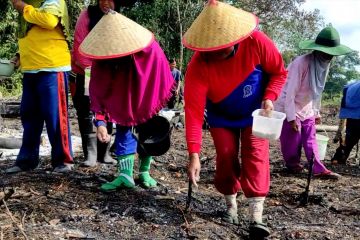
x=10 y=143
x=10 y=109
x=326 y=128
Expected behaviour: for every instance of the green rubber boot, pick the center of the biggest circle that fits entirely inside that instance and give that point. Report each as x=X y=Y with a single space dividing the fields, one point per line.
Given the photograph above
x=144 y=176
x=125 y=178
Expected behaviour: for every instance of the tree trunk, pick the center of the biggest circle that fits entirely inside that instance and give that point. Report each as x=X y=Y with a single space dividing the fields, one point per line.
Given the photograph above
x=181 y=54
x=326 y=128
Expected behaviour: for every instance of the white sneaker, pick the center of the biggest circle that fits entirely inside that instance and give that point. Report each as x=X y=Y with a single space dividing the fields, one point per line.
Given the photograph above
x=64 y=168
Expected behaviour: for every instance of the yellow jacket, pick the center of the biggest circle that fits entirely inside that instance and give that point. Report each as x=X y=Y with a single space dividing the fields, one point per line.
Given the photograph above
x=44 y=45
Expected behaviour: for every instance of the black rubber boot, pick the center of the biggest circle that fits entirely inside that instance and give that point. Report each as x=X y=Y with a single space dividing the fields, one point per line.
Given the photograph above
x=85 y=116
x=90 y=150
x=340 y=156
x=230 y=218
x=103 y=154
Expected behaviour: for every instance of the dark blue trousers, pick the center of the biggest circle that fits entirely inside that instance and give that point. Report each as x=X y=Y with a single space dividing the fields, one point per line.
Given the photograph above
x=45 y=99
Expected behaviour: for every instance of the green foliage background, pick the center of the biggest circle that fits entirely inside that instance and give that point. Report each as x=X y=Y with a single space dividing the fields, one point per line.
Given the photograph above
x=283 y=21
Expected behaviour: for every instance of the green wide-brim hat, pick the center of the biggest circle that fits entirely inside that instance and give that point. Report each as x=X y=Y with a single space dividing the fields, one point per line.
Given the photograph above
x=327 y=41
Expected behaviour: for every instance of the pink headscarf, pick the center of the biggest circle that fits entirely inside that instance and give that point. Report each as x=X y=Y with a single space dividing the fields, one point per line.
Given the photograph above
x=131 y=89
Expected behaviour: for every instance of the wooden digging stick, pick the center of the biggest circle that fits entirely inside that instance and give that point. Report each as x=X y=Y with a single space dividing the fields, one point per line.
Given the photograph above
x=188 y=200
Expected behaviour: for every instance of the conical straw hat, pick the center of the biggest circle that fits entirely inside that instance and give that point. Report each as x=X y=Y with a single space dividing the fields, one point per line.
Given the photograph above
x=218 y=26
x=115 y=36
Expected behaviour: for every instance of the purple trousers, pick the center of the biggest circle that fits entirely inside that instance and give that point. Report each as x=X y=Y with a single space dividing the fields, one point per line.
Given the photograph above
x=292 y=142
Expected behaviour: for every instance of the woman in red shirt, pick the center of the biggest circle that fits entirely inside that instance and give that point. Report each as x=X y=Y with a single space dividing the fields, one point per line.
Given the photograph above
x=235 y=70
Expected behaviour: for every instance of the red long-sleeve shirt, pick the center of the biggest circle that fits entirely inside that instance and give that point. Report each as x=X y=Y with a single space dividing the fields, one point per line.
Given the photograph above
x=217 y=81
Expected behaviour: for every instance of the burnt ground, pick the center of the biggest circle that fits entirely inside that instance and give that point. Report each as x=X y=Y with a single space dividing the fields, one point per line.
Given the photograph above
x=54 y=206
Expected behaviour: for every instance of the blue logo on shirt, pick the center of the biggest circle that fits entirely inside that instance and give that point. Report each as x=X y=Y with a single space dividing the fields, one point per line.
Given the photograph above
x=247 y=91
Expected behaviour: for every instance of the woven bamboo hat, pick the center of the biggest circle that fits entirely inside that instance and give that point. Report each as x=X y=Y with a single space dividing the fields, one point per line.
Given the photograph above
x=218 y=26
x=115 y=36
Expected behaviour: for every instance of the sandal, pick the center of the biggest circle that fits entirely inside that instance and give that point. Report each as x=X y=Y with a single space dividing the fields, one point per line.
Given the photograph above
x=13 y=169
x=258 y=231
x=230 y=218
x=294 y=170
x=327 y=175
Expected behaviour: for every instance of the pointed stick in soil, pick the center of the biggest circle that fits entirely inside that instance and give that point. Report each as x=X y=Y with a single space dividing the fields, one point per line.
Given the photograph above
x=304 y=197
x=187 y=225
x=13 y=220
x=188 y=201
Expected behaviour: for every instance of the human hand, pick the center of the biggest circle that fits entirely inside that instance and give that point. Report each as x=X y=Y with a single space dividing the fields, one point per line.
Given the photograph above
x=294 y=125
x=102 y=134
x=267 y=106
x=318 y=120
x=194 y=168
x=16 y=61
x=18 y=5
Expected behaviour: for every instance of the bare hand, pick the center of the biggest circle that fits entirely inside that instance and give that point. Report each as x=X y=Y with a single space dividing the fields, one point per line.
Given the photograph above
x=18 y=5
x=16 y=61
x=294 y=125
x=102 y=134
x=318 y=120
x=267 y=106
x=194 y=168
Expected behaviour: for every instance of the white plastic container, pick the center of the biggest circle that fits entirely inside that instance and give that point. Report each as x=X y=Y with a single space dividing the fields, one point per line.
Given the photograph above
x=6 y=68
x=267 y=127
x=322 y=142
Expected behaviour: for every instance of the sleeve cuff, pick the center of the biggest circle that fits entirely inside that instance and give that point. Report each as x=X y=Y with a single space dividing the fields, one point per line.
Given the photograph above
x=194 y=148
x=27 y=8
x=289 y=119
x=100 y=123
x=270 y=95
x=100 y=119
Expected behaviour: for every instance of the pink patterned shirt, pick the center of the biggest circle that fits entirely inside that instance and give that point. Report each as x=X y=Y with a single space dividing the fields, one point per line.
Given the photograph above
x=296 y=98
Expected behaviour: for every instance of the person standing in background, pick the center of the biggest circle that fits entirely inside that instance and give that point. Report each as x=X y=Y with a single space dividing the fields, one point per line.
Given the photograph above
x=350 y=113
x=45 y=61
x=177 y=92
x=301 y=98
x=93 y=149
